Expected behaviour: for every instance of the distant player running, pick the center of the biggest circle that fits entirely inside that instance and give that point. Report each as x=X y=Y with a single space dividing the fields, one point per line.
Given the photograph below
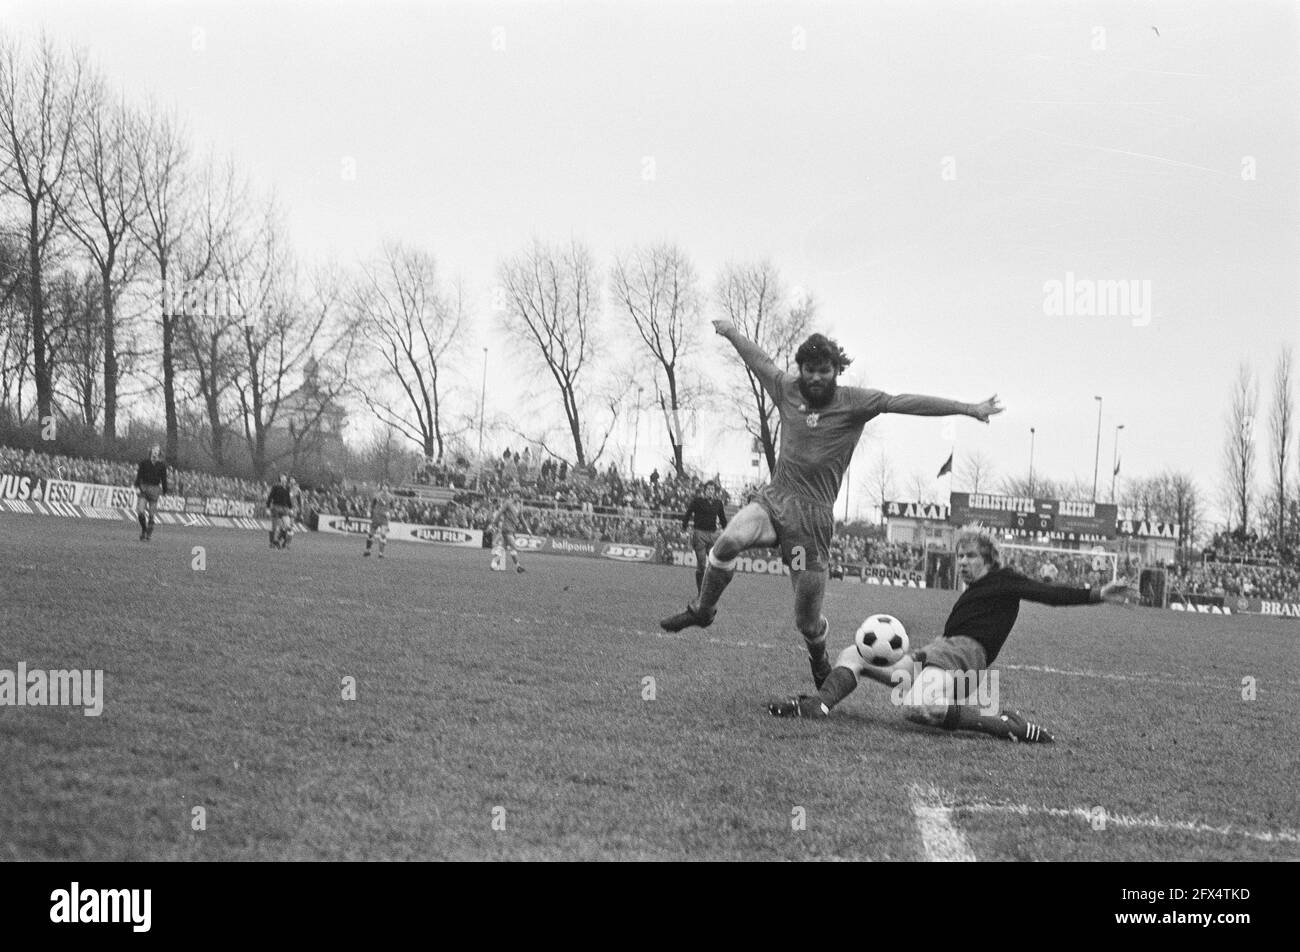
x=279 y=502
x=507 y=519
x=151 y=485
x=708 y=512
x=821 y=423
x=380 y=503
x=977 y=627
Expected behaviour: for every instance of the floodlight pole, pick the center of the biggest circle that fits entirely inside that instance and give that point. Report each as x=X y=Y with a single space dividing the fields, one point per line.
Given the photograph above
x=1096 y=463
x=1114 y=466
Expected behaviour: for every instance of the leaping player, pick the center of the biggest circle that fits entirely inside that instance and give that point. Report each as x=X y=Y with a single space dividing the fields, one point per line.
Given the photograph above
x=380 y=503
x=151 y=485
x=978 y=626
x=821 y=423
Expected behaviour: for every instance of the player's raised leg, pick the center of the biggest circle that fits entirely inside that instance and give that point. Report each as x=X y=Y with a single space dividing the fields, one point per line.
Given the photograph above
x=751 y=528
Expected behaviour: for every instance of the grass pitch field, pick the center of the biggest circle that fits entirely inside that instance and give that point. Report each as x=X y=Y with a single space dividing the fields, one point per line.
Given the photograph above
x=483 y=696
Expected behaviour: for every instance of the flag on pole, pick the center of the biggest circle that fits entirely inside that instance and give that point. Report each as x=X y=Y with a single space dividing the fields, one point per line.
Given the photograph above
x=946 y=467
x=1117 y=464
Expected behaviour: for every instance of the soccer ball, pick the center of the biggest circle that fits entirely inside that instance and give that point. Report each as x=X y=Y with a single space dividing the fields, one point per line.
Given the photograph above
x=881 y=640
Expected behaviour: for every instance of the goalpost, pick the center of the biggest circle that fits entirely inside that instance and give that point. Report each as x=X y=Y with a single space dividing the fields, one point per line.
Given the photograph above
x=1073 y=566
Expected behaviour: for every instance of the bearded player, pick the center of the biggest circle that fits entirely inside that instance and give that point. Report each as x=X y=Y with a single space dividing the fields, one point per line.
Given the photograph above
x=151 y=485
x=935 y=681
x=821 y=423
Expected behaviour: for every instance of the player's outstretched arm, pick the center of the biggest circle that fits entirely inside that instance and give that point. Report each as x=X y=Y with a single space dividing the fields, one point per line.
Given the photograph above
x=914 y=404
x=755 y=358
x=1118 y=592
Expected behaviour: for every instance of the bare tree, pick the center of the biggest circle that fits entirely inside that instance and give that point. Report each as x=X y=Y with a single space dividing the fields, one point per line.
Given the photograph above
x=921 y=488
x=414 y=327
x=551 y=302
x=1239 y=453
x=753 y=300
x=977 y=472
x=278 y=329
x=74 y=305
x=15 y=327
x=40 y=100
x=879 y=481
x=658 y=289
x=161 y=154
x=1145 y=496
x=103 y=204
x=205 y=311
x=1041 y=487
x=1281 y=419
x=1183 y=505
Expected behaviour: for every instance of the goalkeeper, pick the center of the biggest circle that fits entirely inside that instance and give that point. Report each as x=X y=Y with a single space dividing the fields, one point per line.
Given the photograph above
x=980 y=622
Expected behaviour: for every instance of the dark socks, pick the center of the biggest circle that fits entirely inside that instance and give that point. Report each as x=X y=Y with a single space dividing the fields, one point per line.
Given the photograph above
x=715 y=582
x=838 y=685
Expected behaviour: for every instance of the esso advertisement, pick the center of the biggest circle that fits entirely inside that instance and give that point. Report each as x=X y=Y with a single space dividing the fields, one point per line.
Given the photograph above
x=529 y=543
x=60 y=490
x=624 y=552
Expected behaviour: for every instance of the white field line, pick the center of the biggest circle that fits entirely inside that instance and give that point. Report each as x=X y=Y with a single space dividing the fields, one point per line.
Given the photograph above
x=698 y=636
x=932 y=796
x=1125 y=821
x=942 y=842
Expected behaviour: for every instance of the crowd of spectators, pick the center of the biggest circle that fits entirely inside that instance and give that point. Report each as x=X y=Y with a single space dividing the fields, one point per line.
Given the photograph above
x=858 y=550
x=1235 y=580
x=588 y=488
x=604 y=505
x=182 y=482
x=1240 y=565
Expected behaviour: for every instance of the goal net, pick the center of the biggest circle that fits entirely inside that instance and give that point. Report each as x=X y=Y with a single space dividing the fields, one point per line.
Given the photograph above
x=1073 y=567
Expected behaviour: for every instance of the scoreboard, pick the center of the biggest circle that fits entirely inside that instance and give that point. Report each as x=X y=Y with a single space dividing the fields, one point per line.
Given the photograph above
x=1034 y=515
x=1034 y=521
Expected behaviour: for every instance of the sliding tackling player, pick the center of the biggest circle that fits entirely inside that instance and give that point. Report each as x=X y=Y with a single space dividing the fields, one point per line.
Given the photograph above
x=941 y=674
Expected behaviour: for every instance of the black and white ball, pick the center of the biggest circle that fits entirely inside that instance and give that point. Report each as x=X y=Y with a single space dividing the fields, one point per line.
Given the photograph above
x=881 y=639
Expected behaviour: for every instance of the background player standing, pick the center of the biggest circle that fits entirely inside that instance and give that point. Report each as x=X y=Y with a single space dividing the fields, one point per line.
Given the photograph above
x=821 y=423
x=978 y=626
x=506 y=519
x=150 y=484
x=379 y=505
x=279 y=502
x=708 y=512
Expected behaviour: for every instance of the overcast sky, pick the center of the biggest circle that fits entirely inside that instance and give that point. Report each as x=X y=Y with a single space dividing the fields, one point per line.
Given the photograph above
x=924 y=169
